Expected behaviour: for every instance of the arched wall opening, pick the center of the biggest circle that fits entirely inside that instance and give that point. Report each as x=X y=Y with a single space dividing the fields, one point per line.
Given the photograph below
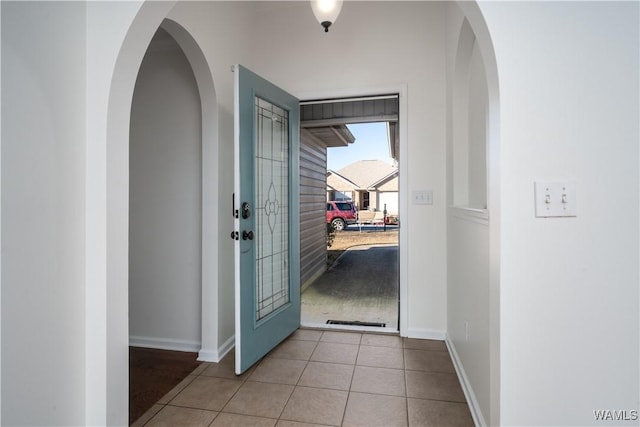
x=210 y=198
x=469 y=133
x=107 y=322
x=165 y=202
x=473 y=219
x=206 y=342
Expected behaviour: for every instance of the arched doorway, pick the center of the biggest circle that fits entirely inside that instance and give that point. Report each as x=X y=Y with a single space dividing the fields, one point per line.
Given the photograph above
x=165 y=224
x=165 y=201
x=107 y=304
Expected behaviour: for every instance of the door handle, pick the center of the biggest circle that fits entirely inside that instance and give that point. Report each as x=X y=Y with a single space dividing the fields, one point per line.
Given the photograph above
x=247 y=235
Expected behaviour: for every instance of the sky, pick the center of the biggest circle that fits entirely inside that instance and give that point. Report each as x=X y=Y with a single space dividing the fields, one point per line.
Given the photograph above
x=371 y=144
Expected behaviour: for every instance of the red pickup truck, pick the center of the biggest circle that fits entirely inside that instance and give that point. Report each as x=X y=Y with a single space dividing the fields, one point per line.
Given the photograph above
x=340 y=214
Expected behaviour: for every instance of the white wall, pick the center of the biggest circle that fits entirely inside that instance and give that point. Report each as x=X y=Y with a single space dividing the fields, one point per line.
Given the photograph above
x=569 y=286
x=165 y=202
x=377 y=45
x=113 y=44
x=468 y=237
x=478 y=110
x=118 y=36
x=43 y=143
x=468 y=303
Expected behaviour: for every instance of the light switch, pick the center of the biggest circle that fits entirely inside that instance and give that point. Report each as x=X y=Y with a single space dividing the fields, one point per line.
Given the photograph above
x=422 y=197
x=555 y=199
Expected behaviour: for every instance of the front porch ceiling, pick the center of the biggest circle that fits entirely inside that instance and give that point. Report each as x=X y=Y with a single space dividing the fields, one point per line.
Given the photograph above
x=333 y=136
x=326 y=119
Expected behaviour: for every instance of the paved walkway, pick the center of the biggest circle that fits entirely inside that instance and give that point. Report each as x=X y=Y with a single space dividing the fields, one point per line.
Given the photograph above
x=362 y=285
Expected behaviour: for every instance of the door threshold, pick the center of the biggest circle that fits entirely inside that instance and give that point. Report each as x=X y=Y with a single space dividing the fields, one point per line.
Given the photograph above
x=356 y=323
x=353 y=328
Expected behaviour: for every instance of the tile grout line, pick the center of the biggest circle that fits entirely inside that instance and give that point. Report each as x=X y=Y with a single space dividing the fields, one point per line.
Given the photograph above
x=298 y=381
x=200 y=374
x=406 y=388
x=353 y=374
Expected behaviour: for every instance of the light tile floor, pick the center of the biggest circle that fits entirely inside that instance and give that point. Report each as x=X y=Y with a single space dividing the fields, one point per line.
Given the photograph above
x=323 y=378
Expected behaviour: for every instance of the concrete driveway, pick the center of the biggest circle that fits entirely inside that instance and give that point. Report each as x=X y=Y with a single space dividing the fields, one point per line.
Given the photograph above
x=361 y=286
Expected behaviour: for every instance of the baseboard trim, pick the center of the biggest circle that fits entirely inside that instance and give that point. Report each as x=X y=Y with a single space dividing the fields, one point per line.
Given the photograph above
x=164 y=344
x=426 y=334
x=216 y=355
x=474 y=407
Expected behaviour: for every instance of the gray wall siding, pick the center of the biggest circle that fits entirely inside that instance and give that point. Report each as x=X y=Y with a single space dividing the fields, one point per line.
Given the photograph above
x=313 y=167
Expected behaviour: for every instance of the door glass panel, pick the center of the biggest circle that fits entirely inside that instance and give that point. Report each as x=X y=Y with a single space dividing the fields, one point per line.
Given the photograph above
x=272 y=210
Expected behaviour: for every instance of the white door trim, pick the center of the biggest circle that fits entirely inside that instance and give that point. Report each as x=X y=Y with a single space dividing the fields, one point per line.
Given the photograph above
x=401 y=90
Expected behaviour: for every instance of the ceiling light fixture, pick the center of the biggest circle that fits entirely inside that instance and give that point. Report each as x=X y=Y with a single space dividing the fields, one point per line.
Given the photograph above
x=326 y=11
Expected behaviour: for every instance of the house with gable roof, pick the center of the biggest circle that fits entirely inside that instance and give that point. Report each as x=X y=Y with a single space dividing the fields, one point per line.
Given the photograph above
x=370 y=184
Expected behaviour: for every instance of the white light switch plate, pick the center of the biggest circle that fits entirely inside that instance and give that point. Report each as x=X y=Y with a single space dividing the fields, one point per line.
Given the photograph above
x=555 y=199
x=422 y=197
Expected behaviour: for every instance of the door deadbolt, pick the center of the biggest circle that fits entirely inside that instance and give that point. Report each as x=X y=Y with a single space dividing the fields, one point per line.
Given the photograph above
x=246 y=210
x=247 y=235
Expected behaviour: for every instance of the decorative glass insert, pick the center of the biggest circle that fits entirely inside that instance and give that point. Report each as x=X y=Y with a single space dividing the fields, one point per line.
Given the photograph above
x=272 y=207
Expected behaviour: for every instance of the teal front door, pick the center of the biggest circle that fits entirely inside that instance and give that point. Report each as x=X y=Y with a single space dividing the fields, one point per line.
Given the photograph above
x=267 y=247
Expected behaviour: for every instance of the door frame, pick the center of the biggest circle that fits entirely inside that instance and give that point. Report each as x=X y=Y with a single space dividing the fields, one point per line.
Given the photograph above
x=403 y=196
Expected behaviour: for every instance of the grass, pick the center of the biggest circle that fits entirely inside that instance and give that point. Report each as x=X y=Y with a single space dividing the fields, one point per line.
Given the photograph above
x=349 y=238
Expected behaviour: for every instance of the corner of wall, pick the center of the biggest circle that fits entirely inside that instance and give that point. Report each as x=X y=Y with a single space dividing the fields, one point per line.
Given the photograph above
x=216 y=355
x=426 y=334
